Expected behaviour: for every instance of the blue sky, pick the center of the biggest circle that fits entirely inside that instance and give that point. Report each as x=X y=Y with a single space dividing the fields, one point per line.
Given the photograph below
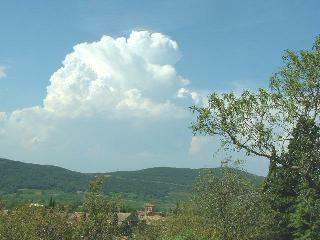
x=223 y=46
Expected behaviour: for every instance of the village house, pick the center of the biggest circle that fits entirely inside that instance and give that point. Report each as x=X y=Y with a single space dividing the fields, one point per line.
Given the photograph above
x=149 y=209
x=129 y=218
x=148 y=215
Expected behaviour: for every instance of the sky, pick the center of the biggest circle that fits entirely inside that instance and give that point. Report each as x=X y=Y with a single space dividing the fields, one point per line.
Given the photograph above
x=98 y=86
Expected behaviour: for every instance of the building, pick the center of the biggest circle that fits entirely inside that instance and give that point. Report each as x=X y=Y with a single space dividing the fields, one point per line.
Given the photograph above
x=122 y=217
x=149 y=209
x=141 y=215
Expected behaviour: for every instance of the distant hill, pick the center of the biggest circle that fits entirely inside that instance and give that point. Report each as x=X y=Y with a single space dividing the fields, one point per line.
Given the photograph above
x=16 y=175
x=160 y=181
x=160 y=184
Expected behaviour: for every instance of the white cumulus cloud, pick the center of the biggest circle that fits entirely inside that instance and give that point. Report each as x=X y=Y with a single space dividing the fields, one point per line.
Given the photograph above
x=110 y=93
x=116 y=77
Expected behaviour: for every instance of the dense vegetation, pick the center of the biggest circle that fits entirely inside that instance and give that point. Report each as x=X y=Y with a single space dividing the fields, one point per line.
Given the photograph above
x=159 y=182
x=23 y=182
x=17 y=175
x=281 y=124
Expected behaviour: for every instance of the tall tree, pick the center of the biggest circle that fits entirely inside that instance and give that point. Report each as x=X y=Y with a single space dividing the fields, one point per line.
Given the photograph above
x=304 y=158
x=261 y=123
x=100 y=219
x=296 y=180
x=233 y=206
x=280 y=124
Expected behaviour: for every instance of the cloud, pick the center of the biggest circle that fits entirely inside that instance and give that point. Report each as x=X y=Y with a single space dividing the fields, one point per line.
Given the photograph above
x=28 y=126
x=199 y=144
x=116 y=103
x=3 y=72
x=196 y=96
x=117 y=77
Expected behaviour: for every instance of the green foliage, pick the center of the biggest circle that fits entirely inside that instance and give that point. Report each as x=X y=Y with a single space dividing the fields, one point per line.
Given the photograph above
x=154 y=182
x=52 y=203
x=296 y=87
x=245 y=122
x=17 y=175
x=282 y=125
x=162 y=186
x=228 y=206
x=100 y=214
x=98 y=221
x=130 y=224
x=304 y=152
x=305 y=218
x=234 y=207
x=144 y=231
x=295 y=184
x=189 y=221
x=34 y=223
x=188 y=235
x=262 y=123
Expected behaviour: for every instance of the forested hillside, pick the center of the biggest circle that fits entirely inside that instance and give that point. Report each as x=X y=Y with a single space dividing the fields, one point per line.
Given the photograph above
x=16 y=175
x=159 y=181
x=162 y=185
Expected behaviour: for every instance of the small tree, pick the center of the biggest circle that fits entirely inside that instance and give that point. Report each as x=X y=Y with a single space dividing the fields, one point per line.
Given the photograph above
x=234 y=207
x=147 y=231
x=35 y=223
x=100 y=219
x=187 y=221
x=2 y=205
x=52 y=203
x=53 y=224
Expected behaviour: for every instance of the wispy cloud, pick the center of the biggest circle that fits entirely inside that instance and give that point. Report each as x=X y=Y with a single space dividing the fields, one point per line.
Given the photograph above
x=3 y=72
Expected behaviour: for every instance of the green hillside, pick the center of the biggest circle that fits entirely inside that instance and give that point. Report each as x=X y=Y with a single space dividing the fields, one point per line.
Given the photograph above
x=162 y=185
x=159 y=181
x=16 y=175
